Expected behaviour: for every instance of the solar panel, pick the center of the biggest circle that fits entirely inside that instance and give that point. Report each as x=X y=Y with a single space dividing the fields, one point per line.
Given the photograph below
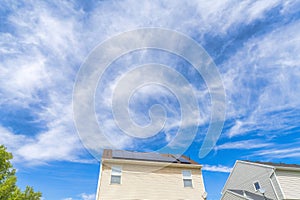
x=142 y=156
x=183 y=160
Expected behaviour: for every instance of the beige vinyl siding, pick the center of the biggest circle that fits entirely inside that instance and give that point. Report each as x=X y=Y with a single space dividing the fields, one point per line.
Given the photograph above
x=143 y=182
x=231 y=196
x=244 y=175
x=290 y=183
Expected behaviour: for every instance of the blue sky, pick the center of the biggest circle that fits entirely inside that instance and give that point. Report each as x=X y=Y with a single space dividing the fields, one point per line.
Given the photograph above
x=254 y=44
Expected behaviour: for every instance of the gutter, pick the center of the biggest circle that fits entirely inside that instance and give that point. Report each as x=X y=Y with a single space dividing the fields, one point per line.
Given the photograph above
x=150 y=163
x=287 y=168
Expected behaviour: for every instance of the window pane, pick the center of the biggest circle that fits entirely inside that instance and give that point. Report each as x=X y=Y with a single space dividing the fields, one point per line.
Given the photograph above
x=187 y=183
x=186 y=174
x=115 y=179
x=257 y=186
x=116 y=170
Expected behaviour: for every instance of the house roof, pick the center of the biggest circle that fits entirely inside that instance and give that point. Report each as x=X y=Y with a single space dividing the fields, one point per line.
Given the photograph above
x=142 y=156
x=249 y=195
x=275 y=164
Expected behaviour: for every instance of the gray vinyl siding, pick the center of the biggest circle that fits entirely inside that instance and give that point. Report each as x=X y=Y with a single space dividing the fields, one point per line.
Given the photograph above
x=276 y=186
x=231 y=196
x=290 y=183
x=245 y=174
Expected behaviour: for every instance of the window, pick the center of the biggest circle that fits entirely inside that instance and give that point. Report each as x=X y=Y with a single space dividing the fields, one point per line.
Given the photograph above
x=256 y=185
x=116 y=172
x=187 y=178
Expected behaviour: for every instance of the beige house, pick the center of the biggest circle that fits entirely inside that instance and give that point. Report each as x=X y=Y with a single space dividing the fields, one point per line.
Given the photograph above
x=262 y=180
x=133 y=175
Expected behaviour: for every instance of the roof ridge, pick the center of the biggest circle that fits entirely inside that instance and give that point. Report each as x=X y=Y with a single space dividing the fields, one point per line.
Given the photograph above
x=274 y=164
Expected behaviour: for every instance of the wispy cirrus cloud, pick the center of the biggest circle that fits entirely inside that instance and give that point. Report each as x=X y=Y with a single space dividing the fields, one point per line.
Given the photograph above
x=255 y=45
x=244 y=144
x=267 y=81
x=281 y=152
x=44 y=45
x=34 y=66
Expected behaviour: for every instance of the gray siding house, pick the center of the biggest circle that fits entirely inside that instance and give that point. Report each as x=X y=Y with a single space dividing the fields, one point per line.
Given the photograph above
x=262 y=181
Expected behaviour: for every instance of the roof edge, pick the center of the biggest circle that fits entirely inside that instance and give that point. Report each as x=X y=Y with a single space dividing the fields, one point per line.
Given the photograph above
x=151 y=163
x=234 y=193
x=279 y=166
x=255 y=163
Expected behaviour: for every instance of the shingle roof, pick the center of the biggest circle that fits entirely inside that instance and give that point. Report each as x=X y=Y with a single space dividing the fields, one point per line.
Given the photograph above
x=275 y=164
x=250 y=195
x=152 y=156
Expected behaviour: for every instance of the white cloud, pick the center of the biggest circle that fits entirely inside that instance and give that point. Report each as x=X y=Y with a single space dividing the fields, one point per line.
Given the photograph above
x=37 y=74
x=12 y=141
x=244 y=144
x=261 y=80
x=22 y=78
x=207 y=17
x=53 y=145
x=216 y=168
x=82 y=196
x=36 y=52
x=48 y=42
x=279 y=153
x=85 y=196
x=219 y=17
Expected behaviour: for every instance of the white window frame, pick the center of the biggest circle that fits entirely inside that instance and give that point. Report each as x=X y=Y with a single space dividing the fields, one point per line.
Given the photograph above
x=255 y=187
x=187 y=177
x=116 y=170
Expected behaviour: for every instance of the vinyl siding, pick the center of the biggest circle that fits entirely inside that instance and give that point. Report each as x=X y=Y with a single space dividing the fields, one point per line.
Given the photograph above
x=143 y=182
x=244 y=175
x=290 y=183
x=276 y=186
x=231 y=196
